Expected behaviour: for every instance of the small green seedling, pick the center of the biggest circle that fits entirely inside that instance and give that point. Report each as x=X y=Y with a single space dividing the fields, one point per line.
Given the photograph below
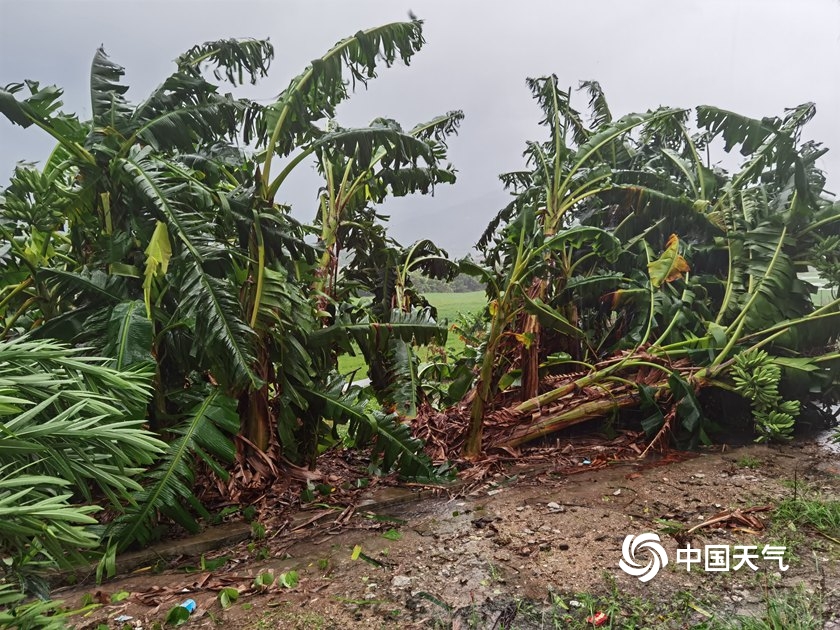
x=748 y=461
x=249 y=513
x=211 y=564
x=257 y=531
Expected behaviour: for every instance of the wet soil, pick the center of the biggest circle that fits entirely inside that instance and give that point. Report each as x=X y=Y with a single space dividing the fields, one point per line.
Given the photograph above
x=523 y=551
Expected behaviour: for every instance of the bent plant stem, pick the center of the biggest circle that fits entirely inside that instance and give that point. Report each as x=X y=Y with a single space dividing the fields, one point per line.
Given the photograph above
x=22 y=286
x=587 y=410
x=673 y=321
x=826 y=357
x=597 y=376
x=23 y=308
x=727 y=296
x=486 y=380
x=680 y=347
x=818 y=224
x=260 y=269
x=779 y=330
x=742 y=317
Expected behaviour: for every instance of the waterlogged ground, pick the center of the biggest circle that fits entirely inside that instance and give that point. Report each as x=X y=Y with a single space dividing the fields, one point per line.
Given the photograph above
x=536 y=551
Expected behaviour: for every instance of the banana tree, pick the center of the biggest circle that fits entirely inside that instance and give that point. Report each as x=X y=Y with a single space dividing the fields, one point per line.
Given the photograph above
x=131 y=223
x=383 y=267
x=356 y=178
x=575 y=164
x=733 y=243
x=526 y=258
x=151 y=235
x=569 y=172
x=357 y=183
x=361 y=165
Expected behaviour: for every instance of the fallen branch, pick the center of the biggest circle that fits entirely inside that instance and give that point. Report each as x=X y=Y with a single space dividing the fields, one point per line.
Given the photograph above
x=741 y=516
x=567 y=417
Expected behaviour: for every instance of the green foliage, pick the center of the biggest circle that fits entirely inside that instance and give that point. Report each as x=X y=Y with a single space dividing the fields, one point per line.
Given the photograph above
x=316 y=92
x=73 y=435
x=729 y=278
x=227 y=597
x=152 y=239
x=389 y=438
x=37 y=615
x=387 y=347
x=170 y=491
x=177 y=616
x=461 y=283
x=289 y=579
x=392 y=534
x=748 y=461
x=128 y=336
x=263 y=581
x=813 y=511
x=796 y=609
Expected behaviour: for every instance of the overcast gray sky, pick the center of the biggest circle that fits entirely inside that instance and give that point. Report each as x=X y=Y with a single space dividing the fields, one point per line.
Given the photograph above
x=752 y=56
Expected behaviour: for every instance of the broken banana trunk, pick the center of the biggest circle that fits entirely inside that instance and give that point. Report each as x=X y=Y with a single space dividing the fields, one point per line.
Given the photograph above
x=567 y=413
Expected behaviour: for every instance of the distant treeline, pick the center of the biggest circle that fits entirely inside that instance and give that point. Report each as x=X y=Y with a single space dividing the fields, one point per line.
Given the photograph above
x=460 y=284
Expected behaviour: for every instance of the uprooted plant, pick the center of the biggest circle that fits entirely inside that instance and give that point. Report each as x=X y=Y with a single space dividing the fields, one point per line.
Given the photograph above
x=632 y=265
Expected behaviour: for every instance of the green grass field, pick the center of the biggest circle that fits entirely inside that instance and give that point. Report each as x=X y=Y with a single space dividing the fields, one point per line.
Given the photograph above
x=449 y=305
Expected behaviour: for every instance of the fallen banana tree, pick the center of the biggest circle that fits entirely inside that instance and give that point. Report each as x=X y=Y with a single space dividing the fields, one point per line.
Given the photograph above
x=629 y=271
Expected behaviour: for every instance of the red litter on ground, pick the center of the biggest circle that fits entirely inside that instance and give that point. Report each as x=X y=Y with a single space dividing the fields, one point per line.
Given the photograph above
x=598 y=619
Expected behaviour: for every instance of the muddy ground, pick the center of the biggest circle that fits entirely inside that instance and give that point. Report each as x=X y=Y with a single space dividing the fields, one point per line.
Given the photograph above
x=534 y=550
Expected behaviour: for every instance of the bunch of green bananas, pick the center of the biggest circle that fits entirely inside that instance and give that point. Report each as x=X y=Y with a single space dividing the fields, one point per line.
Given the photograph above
x=756 y=377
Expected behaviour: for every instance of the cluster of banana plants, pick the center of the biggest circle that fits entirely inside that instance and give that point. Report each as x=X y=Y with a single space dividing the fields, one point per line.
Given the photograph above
x=625 y=249
x=151 y=238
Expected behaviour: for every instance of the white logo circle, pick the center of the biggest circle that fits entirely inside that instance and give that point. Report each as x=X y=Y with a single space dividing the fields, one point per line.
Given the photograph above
x=658 y=557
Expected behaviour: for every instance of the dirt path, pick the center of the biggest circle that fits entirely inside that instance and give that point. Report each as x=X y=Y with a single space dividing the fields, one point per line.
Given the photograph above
x=539 y=551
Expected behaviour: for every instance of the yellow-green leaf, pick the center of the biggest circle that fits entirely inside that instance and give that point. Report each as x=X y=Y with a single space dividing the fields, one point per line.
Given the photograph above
x=670 y=266
x=158 y=254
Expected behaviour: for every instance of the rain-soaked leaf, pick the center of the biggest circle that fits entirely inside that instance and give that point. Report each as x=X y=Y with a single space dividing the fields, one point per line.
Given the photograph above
x=670 y=265
x=227 y=596
x=177 y=615
x=264 y=580
x=392 y=534
x=290 y=579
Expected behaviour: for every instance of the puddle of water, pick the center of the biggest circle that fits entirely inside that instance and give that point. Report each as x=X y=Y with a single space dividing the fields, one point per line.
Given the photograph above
x=827 y=438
